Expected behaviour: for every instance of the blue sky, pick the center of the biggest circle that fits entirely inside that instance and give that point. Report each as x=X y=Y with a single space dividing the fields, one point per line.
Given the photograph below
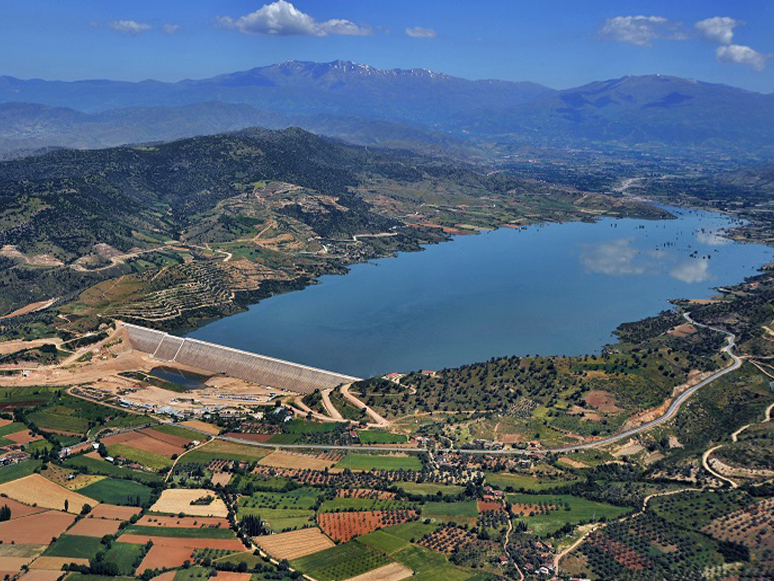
x=560 y=43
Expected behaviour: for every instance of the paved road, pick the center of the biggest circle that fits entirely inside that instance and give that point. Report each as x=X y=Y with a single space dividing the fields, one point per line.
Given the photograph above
x=668 y=415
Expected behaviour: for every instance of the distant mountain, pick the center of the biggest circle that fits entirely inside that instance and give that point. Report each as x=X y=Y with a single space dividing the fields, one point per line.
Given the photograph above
x=27 y=126
x=293 y=88
x=653 y=112
x=401 y=108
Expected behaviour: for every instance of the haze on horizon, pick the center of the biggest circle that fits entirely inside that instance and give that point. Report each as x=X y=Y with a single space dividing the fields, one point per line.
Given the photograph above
x=559 y=44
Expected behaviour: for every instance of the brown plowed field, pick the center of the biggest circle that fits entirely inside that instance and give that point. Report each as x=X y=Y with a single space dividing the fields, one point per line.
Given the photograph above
x=179 y=542
x=222 y=478
x=23 y=437
x=41 y=575
x=35 y=489
x=490 y=506
x=18 y=509
x=296 y=461
x=94 y=527
x=113 y=512
x=177 y=500
x=344 y=526
x=294 y=544
x=188 y=522
x=201 y=426
x=231 y=576
x=165 y=557
x=36 y=528
x=148 y=444
x=168 y=438
x=55 y=563
x=391 y=572
x=13 y=563
x=121 y=438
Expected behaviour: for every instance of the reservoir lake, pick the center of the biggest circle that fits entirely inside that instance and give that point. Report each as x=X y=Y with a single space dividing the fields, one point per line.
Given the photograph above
x=549 y=289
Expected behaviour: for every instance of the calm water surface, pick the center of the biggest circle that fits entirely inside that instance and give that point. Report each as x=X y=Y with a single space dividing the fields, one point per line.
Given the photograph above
x=558 y=289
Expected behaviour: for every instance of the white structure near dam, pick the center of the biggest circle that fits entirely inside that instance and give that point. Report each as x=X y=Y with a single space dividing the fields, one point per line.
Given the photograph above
x=259 y=369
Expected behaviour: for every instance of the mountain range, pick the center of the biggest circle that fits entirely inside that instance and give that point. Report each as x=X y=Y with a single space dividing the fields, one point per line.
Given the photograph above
x=401 y=108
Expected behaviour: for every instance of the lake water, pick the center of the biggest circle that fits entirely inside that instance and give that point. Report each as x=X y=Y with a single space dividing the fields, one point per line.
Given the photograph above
x=557 y=289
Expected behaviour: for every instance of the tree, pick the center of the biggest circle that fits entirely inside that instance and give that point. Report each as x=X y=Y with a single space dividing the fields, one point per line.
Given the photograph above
x=5 y=513
x=66 y=505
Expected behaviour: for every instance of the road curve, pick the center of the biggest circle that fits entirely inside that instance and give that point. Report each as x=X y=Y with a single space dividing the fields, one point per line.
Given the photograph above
x=668 y=415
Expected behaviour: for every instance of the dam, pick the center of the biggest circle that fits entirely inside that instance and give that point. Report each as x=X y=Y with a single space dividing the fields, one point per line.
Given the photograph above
x=258 y=369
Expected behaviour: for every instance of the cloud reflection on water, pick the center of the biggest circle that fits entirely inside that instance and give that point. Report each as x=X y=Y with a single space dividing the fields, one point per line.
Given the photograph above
x=621 y=257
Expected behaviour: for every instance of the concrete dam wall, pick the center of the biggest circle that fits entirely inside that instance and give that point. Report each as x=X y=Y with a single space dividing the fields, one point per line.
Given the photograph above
x=265 y=371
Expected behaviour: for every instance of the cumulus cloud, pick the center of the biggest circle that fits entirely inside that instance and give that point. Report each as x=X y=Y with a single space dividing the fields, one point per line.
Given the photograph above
x=281 y=18
x=718 y=28
x=691 y=271
x=130 y=27
x=171 y=28
x=640 y=30
x=741 y=55
x=419 y=32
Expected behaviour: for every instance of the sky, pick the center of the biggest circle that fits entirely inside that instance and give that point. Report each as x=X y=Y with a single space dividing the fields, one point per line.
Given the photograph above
x=559 y=43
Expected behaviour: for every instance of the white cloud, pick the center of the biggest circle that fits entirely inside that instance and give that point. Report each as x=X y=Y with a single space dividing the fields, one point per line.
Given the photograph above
x=419 y=32
x=171 y=28
x=741 y=55
x=281 y=18
x=692 y=271
x=718 y=29
x=640 y=30
x=131 y=27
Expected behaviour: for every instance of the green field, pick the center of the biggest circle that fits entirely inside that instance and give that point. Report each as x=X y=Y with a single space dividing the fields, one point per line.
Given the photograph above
x=179 y=431
x=340 y=562
x=74 y=546
x=149 y=459
x=51 y=420
x=411 y=530
x=503 y=480
x=94 y=466
x=85 y=577
x=379 y=437
x=12 y=428
x=120 y=492
x=580 y=509
x=29 y=396
x=16 y=471
x=380 y=462
x=339 y=504
x=429 y=565
x=123 y=555
x=298 y=426
x=429 y=488
x=283 y=511
x=383 y=541
x=221 y=450
x=450 y=509
x=187 y=533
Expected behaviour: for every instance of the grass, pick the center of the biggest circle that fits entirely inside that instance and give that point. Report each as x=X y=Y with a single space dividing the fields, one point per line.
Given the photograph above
x=298 y=426
x=383 y=542
x=86 y=577
x=340 y=562
x=379 y=462
x=148 y=459
x=411 y=530
x=427 y=488
x=122 y=492
x=378 y=437
x=220 y=450
x=192 y=574
x=123 y=555
x=38 y=446
x=580 y=509
x=20 y=470
x=503 y=480
x=49 y=420
x=180 y=532
x=179 y=431
x=94 y=466
x=363 y=504
x=12 y=428
x=74 y=546
x=429 y=565
x=451 y=509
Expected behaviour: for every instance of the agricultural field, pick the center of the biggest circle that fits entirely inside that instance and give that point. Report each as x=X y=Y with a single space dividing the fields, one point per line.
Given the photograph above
x=380 y=462
x=120 y=492
x=295 y=460
x=38 y=491
x=380 y=437
x=545 y=514
x=295 y=544
x=340 y=562
x=93 y=465
x=179 y=501
x=221 y=450
x=345 y=526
